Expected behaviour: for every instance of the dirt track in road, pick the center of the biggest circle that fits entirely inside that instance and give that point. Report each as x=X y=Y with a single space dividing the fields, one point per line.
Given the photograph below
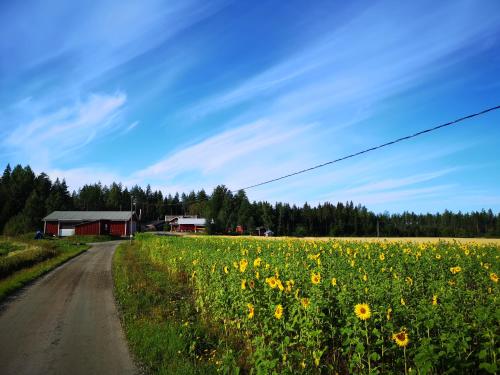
x=66 y=322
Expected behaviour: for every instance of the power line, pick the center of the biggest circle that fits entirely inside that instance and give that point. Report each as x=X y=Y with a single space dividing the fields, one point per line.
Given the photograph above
x=373 y=148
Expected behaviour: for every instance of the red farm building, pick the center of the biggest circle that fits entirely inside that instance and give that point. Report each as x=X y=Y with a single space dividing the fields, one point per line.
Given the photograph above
x=187 y=224
x=69 y=223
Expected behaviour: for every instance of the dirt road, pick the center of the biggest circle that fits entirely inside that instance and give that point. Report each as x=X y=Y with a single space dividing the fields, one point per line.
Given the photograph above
x=66 y=322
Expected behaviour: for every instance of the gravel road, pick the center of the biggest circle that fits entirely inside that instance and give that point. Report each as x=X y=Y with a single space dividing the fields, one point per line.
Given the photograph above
x=66 y=322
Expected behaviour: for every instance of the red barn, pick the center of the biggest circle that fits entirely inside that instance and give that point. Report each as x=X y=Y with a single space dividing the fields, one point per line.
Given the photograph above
x=69 y=223
x=187 y=224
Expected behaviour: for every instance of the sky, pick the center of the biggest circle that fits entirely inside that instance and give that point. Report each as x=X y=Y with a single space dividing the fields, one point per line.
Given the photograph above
x=185 y=95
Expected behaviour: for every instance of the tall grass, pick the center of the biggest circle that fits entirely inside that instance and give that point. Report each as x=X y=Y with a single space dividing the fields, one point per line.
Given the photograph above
x=25 y=258
x=159 y=316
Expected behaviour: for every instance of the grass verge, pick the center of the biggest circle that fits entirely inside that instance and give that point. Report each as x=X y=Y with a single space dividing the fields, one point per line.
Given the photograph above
x=159 y=316
x=22 y=277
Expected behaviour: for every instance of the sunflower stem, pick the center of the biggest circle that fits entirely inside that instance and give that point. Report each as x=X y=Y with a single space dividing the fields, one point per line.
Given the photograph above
x=404 y=352
x=367 y=346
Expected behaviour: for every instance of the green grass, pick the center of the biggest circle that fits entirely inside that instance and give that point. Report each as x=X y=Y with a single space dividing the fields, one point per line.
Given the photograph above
x=23 y=259
x=16 y=261
x=17 y=280
x=28 y=237
x=7 y=247
x=159 y=316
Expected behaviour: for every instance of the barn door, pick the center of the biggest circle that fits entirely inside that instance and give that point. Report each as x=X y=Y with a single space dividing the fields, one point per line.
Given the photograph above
x=105 y=227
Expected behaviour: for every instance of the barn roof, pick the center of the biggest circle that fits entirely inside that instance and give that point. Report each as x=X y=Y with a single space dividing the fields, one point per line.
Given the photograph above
x=88 y=216
x=190 y=220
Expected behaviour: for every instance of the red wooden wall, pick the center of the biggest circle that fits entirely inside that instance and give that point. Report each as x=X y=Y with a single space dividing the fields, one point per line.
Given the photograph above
x=87 y=228
x=117 y=228
x=51 y=228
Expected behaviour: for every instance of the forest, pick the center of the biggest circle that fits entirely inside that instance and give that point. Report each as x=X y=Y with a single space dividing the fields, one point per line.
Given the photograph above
x=25 y=198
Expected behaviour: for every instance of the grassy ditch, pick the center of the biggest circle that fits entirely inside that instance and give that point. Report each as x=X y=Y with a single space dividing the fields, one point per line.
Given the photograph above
x=159 y=316
x=22 y=261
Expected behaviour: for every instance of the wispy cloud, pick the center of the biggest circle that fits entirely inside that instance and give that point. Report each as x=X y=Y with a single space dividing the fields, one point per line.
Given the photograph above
x=393 y=183
x=53 y=134
x=351 y=64
x=130 y=127
x=248 y=141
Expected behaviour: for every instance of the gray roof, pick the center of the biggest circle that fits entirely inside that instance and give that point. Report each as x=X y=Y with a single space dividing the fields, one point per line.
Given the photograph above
x=189 y=220
x=88 y=216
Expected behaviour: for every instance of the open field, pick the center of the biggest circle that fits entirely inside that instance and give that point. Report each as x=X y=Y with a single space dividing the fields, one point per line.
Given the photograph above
x=309 y=306
x=495 y=241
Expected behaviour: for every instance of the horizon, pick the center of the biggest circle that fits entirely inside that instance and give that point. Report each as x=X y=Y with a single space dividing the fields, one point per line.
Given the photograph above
x=192 y=95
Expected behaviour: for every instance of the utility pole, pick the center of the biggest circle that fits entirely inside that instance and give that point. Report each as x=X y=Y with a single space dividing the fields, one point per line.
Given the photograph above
x=131 y=218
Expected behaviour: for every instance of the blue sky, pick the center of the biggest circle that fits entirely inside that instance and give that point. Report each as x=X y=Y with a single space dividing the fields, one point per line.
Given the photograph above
x=185 y=95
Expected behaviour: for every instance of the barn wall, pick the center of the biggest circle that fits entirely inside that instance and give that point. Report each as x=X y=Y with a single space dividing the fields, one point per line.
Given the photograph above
x=186 y=227
x=117 y=228
x=91 y=228
x=51 y=228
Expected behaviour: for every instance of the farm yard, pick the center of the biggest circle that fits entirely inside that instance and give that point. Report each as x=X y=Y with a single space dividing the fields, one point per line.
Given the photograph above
x=212 y=304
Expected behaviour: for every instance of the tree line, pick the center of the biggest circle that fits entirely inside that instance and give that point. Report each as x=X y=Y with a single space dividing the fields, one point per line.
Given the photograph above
x=25 y=198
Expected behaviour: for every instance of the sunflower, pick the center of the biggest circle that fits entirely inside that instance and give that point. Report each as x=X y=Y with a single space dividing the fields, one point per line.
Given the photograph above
x=272 y=282
x=494 y=277
x=243 y=265
x=365 y=277
x=315 y=278
x=362 y=311
x=389 y=311
x=401 y=338
x=438 y=256
x=257 y=262
x=243 y=284
x=280 y=285
x=226 y=269
x=455 y=270
x=305 y=302
x=251 y=311
x=381 y=256
x=435 y=299
x=251 y=283
x=403 y=301
x=334 y=281
x=278 y=312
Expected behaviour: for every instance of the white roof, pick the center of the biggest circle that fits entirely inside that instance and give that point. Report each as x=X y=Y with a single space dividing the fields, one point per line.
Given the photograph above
x=190 y=220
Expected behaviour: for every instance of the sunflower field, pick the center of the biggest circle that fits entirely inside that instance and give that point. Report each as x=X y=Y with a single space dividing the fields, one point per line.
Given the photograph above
x=304 y=306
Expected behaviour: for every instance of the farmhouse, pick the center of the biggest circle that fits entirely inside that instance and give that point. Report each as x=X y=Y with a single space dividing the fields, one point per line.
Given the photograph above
x=68 y=223
x=187 y=224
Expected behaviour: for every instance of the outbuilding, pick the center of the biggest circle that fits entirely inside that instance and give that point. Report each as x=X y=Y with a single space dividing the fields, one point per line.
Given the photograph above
x=187 y=224
x=69 y=223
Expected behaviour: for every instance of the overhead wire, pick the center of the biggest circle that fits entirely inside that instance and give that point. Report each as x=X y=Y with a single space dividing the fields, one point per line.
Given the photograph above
x=450 y=123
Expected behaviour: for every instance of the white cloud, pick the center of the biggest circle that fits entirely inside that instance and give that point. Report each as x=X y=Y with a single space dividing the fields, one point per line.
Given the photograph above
x=51 y=135
x=130 y=127
x=355 y=63
x=249 y=144
x=395 y=183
